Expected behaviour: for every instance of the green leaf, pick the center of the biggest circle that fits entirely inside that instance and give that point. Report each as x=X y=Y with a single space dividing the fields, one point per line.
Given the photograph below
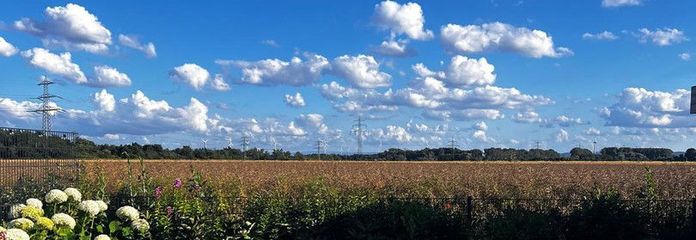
x=114 y=227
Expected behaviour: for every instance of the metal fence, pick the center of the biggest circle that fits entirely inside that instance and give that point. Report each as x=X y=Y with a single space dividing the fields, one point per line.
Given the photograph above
x=36 y=155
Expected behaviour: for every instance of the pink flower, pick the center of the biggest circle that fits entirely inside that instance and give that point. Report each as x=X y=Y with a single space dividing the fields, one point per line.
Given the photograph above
x=170 y=211
x=178 y=183
x=158 y=192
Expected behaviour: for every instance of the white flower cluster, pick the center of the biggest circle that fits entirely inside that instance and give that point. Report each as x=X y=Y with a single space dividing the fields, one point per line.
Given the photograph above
x=62 y=219
x=56 y=196
x=141 y=225
x=102 y=237
x=29 y=217
x=127 y=213
x=34 y=203
x=73 y=194
x=91 y=207
x=16 y=234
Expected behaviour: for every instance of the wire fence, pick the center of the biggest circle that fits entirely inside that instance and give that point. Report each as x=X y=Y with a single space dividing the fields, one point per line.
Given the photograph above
x=35 y=154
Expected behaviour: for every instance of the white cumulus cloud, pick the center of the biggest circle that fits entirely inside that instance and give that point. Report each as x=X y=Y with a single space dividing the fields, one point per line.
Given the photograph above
x=219 y=83
x=661 y=36
x=640 y=107
x=394 y=48
x=402 y=19
x=361 y=71
x=296 y=72
x=191 y=74
x=105 y=76
x=60 y=65
x=604 y=36
x=71 y=27
x=294 y=100
x=468 y=71
x=502 y=37
x=7 y=49
x=685 y=56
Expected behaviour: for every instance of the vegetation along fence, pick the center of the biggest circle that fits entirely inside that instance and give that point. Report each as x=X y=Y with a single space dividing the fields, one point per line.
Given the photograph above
x=36 y=154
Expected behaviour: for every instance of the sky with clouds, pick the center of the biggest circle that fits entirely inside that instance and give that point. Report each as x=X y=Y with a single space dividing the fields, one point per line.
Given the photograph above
x=485 y=73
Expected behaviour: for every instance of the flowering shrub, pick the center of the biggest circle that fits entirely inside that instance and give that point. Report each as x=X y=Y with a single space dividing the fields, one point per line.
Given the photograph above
x=72 y=218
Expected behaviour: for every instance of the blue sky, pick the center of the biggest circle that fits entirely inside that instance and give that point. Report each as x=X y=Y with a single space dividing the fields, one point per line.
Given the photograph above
x=486 y=73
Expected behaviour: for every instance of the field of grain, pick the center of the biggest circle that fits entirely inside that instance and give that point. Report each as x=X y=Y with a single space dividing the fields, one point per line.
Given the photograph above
x=521 y=179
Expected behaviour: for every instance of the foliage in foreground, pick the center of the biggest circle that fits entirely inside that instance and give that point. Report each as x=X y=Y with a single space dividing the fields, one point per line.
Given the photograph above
x=197 y=209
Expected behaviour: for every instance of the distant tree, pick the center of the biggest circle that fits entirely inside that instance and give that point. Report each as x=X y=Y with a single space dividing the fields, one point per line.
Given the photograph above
x=581 y=154
x=690 y=154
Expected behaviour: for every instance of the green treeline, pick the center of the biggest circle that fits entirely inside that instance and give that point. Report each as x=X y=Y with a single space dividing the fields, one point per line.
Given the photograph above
x=32 y=145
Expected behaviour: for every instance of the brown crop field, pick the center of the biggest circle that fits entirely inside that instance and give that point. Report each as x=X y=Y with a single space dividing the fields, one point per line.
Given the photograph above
x=521 y=179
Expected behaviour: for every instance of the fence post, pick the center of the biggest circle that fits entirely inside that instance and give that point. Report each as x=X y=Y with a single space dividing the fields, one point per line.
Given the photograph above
x=469 y=208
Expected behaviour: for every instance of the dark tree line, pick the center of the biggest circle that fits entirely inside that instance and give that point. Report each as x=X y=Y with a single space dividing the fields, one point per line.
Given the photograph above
x=32 y=145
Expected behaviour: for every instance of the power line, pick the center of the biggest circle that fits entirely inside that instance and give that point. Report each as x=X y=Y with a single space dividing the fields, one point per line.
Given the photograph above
x=358 y=129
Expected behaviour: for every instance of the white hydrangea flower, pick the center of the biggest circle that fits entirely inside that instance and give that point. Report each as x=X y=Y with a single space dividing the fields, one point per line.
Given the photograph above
x=74 y=194
x=62 y=219
x=102 y=237
x=56 y=196
x=16 y=211
x=2 y=229
x=34 y=202
x=141 y=225
x=90 y=207
x=21 y=223
x=16 y=234
x=102 y=205
x=128 y=213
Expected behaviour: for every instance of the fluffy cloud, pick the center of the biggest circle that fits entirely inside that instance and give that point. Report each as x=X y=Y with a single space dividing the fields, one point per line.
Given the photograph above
x=439 y=101
x=500 y=36
x=313 y=121
x=564 y=121
x=620 y=3
x=16 y=110
x=685 y=56
x=104 y=101
x=219 y=83
x=661 y=37
x=639 y=107
x=603 y=36
x=132 y=42
x=479 y=132
x=562 y=136
x=527 y=117
x=469 y=71
x=7 y=49
x=361 y=71
x=276 y=72
x=105 y=76
x=394 y=48
x=60 y=65
x=71 y=27
x=402 y=19
x=191 y=74
x=294 y=100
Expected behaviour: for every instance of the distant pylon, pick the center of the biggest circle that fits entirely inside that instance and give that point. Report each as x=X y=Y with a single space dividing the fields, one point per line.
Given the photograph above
x=245 y=144
x=453 y=145
x=358 y=129
x=320 y=146
x=46 y=109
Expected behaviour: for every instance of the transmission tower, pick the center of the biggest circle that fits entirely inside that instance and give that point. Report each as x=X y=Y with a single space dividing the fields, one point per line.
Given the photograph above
x=320 y=146
x=245 y=144
x=358 y=129
x=205 y=143
x=453 y=145
x=594 y=146
x=46 y=109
